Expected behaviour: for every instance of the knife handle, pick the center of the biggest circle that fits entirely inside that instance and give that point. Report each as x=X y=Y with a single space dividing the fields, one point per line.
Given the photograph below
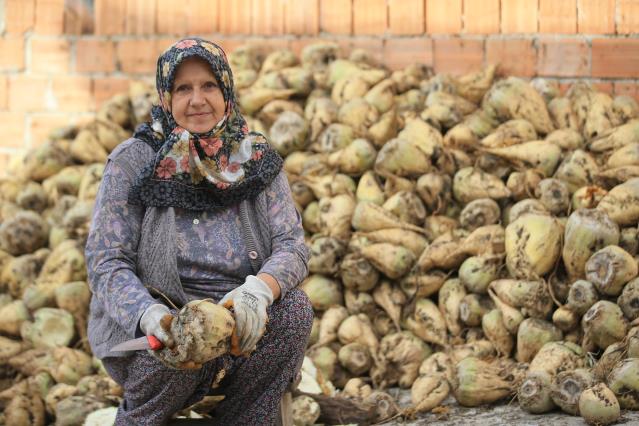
x=154 y=343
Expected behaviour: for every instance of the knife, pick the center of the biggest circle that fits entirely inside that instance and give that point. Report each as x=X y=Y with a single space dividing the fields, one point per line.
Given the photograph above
x=144 y=342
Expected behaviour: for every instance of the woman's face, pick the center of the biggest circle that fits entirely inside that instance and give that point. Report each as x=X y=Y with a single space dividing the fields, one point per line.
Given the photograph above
x=197 y=103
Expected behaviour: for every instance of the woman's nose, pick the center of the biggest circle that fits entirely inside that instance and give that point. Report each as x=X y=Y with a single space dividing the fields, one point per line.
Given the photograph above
x=197 y=97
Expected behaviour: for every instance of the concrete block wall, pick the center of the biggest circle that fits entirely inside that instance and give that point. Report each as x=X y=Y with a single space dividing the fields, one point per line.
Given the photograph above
x=60 y=59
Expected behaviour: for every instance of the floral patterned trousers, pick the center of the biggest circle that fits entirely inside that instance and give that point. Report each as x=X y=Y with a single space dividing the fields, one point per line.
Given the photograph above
x=253 y=386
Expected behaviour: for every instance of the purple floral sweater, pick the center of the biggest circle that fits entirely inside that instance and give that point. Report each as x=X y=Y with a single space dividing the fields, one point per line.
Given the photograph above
x=212 y=255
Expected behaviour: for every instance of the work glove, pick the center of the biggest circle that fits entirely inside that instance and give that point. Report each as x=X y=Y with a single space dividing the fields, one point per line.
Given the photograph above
x=249 y=303
x=154 y=323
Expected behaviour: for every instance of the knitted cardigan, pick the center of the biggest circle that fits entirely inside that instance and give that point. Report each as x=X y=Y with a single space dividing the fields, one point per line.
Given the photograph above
x=157 y=267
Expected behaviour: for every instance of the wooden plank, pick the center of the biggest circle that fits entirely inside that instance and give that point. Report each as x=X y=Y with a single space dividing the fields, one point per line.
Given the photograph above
x=202 y=16
x=406 y=17
x=443 y=16
x=301 y=17
x=481 y=16
x=141 y=17
x=267 y=17
x=110 y=17
x=519 y=16
x=628 y=17
x=596 y=16
x=370 y=17
x=336 y=16
x=558 y=16
x=235 y=17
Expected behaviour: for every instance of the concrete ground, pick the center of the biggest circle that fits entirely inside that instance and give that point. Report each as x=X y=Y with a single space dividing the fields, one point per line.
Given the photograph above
x=499 y=415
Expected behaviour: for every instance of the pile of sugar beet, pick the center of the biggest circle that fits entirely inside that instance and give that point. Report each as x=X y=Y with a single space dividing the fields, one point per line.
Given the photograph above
x=470 y=235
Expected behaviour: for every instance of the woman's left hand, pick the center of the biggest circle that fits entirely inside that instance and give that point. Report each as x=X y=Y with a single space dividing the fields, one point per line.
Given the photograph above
x=250 y=301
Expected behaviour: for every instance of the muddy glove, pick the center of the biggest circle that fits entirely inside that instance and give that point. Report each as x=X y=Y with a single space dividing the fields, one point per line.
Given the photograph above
x=250 y=301
x=152 y=323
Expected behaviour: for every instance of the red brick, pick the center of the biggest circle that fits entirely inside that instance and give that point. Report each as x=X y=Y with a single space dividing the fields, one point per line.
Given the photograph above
x=481 y=16
x=563 y=58
x=6 y=156
x=369 y=17
x=12 y=124
x=406 y=17
x=596 y=16
x=19 y=16
x=269 y=44
x=50 y=55
x=628 y=88
x=29 y=93
x=73 y=94
x=140 y=17
x=563 y=87
x=110 y=16
x=615 y=57
x=267 y=17
x=296 y=45
x=375 y=46
x=228 y=44
x=443 y=16
x=301 y=17
x=163 y=43
x=49 y=17
x=93 y=55
x=171 y=18
x=104 y=88
x=40 y=125
x=336 y=16
x=518 y=16
x=202 y=16
x=78 y=18
x=4 y=92
x=11 y=53
x=603 y=86
x=235 y=17
x=514 y=56
x=137 y=56
x=458 y=56
x=398 y=53
x=558 y=16
x=628 y=13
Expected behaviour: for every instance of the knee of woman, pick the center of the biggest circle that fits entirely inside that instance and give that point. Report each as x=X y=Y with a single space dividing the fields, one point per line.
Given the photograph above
x=298 y=313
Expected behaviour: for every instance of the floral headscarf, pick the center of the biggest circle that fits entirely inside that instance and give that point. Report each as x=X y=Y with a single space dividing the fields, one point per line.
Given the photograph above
x=201 y=171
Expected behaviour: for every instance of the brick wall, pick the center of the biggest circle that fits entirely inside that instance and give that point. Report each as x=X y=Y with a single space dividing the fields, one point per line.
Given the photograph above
x=59 y=59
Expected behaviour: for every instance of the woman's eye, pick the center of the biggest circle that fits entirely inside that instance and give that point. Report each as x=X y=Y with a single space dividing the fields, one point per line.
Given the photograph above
x=182 y=88
x=210 y=85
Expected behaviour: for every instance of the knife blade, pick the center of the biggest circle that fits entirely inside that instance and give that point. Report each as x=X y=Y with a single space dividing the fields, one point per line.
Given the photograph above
x=141 y=343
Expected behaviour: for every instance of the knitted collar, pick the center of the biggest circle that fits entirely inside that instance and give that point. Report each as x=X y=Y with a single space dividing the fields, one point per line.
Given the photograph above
x=201 y=171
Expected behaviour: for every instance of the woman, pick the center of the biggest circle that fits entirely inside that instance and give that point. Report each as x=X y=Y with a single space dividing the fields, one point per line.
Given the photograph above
x=196 y=206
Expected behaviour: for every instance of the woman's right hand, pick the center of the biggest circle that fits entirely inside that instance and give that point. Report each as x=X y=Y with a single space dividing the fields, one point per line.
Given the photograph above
x=154 y=323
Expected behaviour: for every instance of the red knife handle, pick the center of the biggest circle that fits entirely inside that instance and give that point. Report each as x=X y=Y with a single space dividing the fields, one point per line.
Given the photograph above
x=154 y=343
